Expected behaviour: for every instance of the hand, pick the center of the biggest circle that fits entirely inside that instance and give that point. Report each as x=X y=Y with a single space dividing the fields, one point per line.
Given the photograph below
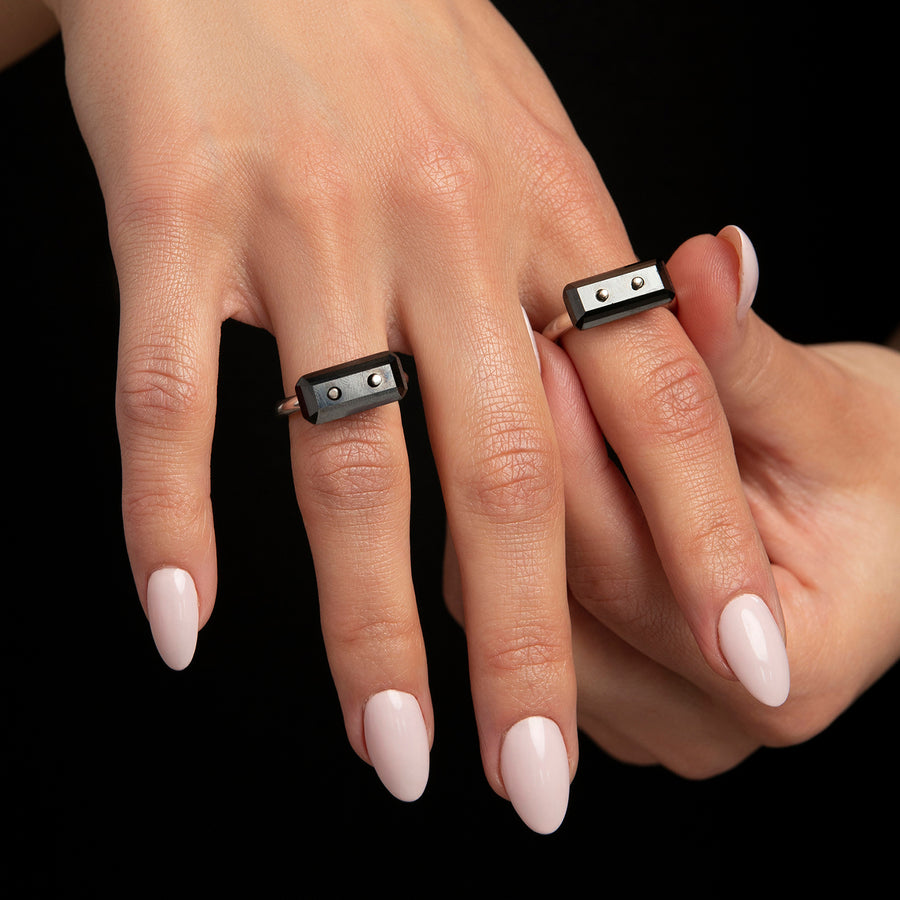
x=356 y=177
x=815 y=432
x=352 y=177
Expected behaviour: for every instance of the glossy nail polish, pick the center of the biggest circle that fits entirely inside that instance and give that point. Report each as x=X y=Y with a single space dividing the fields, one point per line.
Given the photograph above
x=174 y=615
x=749 y=268
x=397 y=743
x=534 y=767
x=751 y=643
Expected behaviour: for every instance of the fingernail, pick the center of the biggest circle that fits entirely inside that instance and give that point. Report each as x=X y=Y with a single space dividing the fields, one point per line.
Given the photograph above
x=534 y=766
x=537 y=355
x=174 y=615
x=752 y=645
x=397 y=743
x=749 y=268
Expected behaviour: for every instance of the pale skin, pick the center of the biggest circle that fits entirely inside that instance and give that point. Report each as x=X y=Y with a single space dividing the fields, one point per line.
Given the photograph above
x=356 y=177
x=815 y=432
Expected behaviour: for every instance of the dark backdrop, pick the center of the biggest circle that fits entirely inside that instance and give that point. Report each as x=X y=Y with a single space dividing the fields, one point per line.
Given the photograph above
x=237 y=770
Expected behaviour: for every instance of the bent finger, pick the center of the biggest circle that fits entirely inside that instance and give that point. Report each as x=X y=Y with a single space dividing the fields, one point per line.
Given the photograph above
x=767 y=384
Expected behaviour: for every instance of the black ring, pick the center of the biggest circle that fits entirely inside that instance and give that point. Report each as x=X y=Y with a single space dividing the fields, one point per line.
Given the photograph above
x=349 y=388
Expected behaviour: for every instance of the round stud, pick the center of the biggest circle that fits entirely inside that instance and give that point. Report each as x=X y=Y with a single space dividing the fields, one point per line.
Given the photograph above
x=334 y=393
x=637 y=282
x=375 y=379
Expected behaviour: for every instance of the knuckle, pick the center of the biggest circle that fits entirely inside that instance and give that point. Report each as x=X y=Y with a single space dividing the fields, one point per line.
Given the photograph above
x=719 y=535
x=163 y=192
x=531 y=652
x=677 y=399
x=565 y=191
x=160 y=387
x=371 y=631
x=514 y=472
x=313 y=184
x=178 y=510
x=444 y=173
x=357 y=473
x=561 y=176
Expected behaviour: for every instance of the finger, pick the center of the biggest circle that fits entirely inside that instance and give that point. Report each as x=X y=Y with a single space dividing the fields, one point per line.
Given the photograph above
x=165 y=409
x=497 y=460
x=644 y=713
x=656 y=402
x=804 y=420
x=352 y=484
x=636 y=709
x=766 y=383
x=614 y=570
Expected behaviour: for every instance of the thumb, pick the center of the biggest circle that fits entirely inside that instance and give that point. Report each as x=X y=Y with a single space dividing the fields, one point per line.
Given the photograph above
x=766 y=383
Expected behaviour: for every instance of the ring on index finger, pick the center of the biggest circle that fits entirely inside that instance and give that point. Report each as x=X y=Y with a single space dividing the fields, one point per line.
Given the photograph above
x=613 y=295
x=349 y=388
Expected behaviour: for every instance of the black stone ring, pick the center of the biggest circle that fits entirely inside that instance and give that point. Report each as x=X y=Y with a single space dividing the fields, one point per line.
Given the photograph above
x=613 y=295
x=349 y=388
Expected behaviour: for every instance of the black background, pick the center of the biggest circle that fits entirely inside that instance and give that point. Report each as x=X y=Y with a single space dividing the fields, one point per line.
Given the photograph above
x=236 y=772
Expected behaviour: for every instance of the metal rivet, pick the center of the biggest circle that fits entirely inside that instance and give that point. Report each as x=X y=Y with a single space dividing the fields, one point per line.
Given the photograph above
x=603 y=295
x=637 y=282
x=334 y=393
x=375 y=379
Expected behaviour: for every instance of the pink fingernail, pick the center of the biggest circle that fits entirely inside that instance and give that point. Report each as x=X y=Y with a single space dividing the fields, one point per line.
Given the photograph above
x=537 y=355
x=534 y=766
x=174 y=615
x=751 y=643
x=397 y=742
x=749 y=268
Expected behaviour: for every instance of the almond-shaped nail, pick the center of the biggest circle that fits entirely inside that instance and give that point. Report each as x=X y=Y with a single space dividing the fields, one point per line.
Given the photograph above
x=751 y=643
x=749 y=268
x=534 y=767
x=397 y=743
x=174 y=615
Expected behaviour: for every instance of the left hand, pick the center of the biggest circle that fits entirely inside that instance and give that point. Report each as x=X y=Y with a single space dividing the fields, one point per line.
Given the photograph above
x=815 y=435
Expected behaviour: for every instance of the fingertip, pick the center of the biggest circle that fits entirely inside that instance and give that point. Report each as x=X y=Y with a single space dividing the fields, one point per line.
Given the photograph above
x=748 y=267
x=536 y=772
x=753 y=645
x=174 y=614
x=715 y=278
x=397 y=742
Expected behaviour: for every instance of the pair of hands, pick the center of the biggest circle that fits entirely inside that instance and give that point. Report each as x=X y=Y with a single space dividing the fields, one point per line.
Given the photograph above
x=401 y=174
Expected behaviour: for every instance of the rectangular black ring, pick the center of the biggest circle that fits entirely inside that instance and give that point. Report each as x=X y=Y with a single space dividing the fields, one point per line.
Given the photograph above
x=628 y=290
x=352 y=387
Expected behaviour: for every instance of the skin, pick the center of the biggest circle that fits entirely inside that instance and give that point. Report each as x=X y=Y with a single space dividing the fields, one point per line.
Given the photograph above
x=24 y=26
x=815 y=432
x=354 y=177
